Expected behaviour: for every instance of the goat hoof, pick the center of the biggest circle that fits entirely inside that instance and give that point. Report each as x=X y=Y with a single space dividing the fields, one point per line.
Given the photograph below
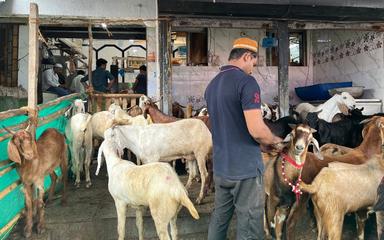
x=198 y=201
x=77 y=184
x=28 y=235
x=88 y=184
x=40 y=230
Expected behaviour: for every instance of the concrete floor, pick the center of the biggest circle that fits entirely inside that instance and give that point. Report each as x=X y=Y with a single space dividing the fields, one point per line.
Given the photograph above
x=90 y=214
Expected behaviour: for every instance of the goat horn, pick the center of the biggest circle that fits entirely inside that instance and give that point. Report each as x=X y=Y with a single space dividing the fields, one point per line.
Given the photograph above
x=9 y=130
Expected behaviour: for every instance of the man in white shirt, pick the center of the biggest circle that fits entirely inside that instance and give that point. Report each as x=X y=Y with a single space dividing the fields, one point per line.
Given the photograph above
x=76 y=85
x=51 y=81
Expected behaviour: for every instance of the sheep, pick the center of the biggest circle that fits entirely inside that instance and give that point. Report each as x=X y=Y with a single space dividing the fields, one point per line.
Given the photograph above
x=155 y=185
x=329 y=108
x=33 y=161
x=186 y=138
x=328 y=193
x=371 y=145
x=79 y=134
x=281 y=179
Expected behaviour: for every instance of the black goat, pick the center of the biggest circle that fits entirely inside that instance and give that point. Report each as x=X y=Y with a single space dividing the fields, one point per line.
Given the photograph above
x=281 y=127
x=346 y=132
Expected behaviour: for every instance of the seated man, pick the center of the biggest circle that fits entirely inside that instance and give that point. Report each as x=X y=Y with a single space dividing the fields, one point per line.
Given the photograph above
x=50 y=81
x=76 y=85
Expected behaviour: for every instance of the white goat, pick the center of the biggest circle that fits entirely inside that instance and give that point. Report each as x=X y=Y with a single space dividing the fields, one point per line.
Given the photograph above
x=186 y=138
x=267 y=113
x=155 y=185
x=79 y=134
x=100 y=122
x=329 y=109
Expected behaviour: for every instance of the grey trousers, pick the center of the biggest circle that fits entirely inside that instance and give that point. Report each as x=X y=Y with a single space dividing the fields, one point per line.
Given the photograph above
x=246 y=198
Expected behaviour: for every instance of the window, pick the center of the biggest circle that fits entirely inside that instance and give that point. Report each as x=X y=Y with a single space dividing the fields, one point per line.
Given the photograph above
x=297 y=50
x=190 y=48
x=9 y=43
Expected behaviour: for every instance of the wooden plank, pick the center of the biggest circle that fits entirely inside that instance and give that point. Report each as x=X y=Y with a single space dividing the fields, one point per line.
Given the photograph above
x=9 y=189
x=6 y=170
x=165 y=53
x=5 y=162
x=124 y=103
x=99 y=101
x=107 y=103
x=283 y=40
x=118 y=95
x=9 y=225
x=12 y=113
x=133 y=102
x=57 y=101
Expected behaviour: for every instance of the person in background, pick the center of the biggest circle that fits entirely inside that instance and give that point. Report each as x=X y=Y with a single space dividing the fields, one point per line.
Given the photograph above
x=140 y=85
x=76 y=85
x=238 y=130
x=50 y=81
x=102 y=79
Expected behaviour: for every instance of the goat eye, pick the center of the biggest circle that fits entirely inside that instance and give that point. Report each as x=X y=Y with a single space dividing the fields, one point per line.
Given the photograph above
x=344 y=97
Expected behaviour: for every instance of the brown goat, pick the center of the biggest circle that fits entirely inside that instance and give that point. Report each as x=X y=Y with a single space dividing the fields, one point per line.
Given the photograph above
x=177 y=110
x=371 y=145
x=33 y=161
x=282 y=179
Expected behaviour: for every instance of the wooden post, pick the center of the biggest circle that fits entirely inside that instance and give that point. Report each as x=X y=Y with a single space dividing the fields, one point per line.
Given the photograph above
x=165 y=53
x=90 y=54
x=33 y=63
x=283 y=39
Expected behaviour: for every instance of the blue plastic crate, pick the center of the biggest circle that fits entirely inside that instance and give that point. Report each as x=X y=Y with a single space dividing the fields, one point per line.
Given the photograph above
x=319 y=91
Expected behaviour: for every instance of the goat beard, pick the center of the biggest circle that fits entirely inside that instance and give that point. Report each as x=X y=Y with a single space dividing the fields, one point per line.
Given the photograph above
x=298 y=158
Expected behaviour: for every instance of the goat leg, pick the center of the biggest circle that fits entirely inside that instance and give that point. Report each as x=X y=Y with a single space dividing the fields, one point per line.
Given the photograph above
x=121 y=208
x=52 y=187
x=139 y=223
x=361 y=217
x=28 y=193
x=64 y=175
x=87 y=163
x=280 y=217
x=40 y=207
x=298 y=210
x=203 y=173
x=380 y=224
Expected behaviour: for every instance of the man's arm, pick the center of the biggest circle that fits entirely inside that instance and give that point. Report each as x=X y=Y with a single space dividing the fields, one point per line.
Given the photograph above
x=257 y=128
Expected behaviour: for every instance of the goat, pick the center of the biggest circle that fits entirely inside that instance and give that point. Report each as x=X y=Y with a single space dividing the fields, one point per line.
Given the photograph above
x=281 y=180
x=267 y=113
x=135 y=111
x=329 y=188
x=346 y=132
x=371 y=145
x=281 y=126
x=79 y=134
x=186 y=138
x=155 y=185
x=33 y=161
x=158 y=117
x=329 y=108
x=177 y=110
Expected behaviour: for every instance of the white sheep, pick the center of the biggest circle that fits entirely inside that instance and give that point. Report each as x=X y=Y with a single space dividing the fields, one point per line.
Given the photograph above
x=155 y=185
x=188 y=138
x=79 y=134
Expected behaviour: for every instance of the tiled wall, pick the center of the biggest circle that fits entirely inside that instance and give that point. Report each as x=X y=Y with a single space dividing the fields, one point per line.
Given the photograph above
x=355 y=56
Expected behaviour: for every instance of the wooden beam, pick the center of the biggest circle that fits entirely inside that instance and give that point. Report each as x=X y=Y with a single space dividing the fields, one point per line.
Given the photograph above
x=33 y=63
x=90 y=55
x=165 y=53
x=283 y=40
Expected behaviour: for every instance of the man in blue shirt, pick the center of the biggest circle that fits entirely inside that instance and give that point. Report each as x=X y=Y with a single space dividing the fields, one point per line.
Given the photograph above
x=100 y=77
x=238 y=129
x=140 y=85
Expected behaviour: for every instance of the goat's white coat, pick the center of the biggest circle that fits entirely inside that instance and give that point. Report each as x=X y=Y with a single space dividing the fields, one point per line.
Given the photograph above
x=166 y=142
x=79 y=134
x=155 y=185
x=330 y=108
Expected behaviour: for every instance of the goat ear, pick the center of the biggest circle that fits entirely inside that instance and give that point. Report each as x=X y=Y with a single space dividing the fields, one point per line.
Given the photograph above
x=288 y=138
x=9 y=130
x=291 y=125
x=13 y=152
x=316 y=148
x=319 y=111
x=313 y=130
x=366 y=121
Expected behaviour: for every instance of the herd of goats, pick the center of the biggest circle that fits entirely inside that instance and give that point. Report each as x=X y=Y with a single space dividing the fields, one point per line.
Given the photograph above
x=331 y=154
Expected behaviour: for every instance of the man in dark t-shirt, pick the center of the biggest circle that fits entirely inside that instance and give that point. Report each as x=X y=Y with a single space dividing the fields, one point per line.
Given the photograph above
x=140 y=85
x=238 y=129
x=100 y=77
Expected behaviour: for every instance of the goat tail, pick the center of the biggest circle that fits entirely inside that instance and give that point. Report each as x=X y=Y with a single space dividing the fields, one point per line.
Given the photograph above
x=186 y=202
x=85 y=124
x=309 y=188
